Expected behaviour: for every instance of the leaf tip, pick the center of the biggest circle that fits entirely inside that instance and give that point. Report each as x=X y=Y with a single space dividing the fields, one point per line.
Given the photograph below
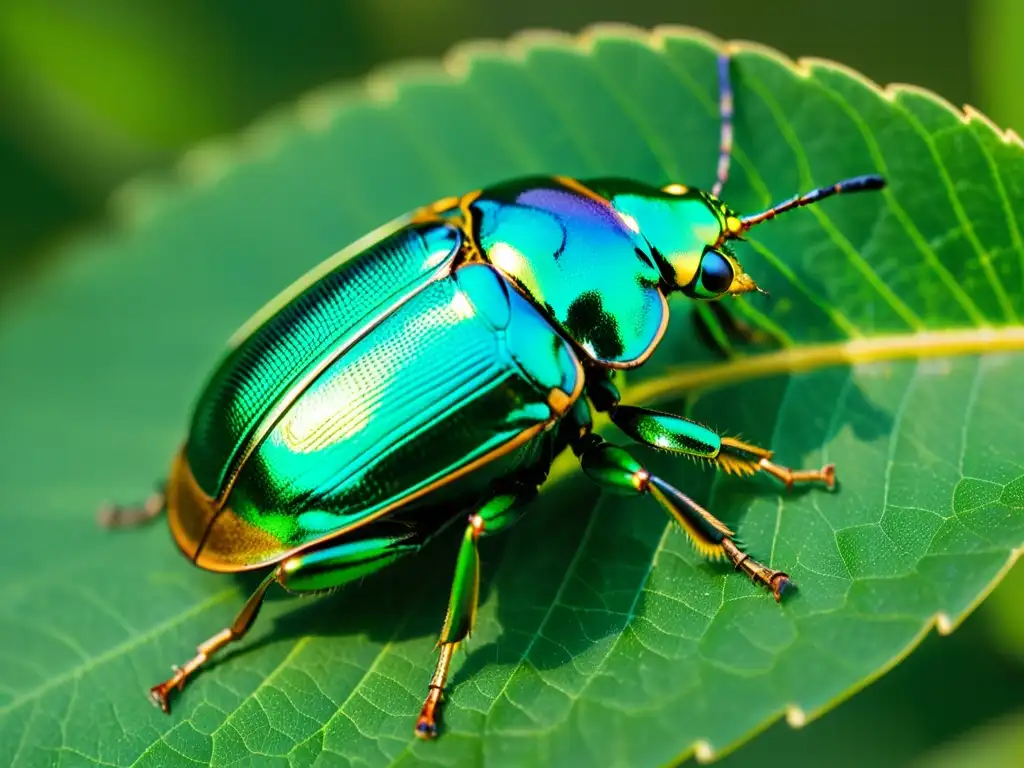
x=903 y=91
x=459 y=61
x=132 y=203
x=384 y=83
x=736 y=48
x=974 y=115
x=944 y=624
x=703 y=751
x=663 y=32
x=205 y=164
x=795 y=716
x=813 y=64
x=613 y=29
x=523 y=42
x=317 y=109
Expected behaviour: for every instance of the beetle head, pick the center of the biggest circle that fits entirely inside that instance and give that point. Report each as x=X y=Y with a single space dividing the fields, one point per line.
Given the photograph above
x=689 y=230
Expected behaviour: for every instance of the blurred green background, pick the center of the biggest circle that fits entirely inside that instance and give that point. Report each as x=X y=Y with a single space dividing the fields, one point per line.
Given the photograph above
x=94 y=93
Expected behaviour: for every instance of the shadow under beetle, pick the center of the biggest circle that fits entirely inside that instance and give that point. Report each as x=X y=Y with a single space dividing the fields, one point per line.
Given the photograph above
x=433 y=370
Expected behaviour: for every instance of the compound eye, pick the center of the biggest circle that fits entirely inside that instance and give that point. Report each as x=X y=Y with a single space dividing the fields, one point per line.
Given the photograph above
x=716 y=274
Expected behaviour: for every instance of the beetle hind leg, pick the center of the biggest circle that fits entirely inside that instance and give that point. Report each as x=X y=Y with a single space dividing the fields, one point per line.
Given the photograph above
x=118 y=516
x=494 y=515
x=159 y=694
x=314 y=571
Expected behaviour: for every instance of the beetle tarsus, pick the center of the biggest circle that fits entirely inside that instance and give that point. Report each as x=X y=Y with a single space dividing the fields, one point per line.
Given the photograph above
x=777 y=581
x=158 y=695
x=790 y=477
x=426 y=724
x=780 y=584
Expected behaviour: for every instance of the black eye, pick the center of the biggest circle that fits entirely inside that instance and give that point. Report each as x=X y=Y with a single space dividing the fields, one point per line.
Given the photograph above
x=715 y=273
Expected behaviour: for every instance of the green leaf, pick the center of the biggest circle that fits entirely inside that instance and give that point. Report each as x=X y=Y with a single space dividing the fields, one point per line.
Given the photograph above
x=602 y=639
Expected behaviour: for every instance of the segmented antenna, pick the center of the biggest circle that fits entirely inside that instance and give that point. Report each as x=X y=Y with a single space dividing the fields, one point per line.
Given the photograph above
x=856 y=184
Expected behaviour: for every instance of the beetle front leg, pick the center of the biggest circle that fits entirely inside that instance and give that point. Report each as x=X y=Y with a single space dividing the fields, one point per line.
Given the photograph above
x=496 y=514
x=615 y=469
x=668 y=432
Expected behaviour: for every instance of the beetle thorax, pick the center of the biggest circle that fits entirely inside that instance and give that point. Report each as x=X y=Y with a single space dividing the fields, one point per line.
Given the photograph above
x=579 y=261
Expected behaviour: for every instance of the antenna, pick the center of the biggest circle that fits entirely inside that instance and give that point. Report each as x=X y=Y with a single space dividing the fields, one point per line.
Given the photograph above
x=856 y=184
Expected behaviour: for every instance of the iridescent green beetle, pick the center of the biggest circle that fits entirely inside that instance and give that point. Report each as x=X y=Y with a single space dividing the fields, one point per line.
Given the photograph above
x=431 y=372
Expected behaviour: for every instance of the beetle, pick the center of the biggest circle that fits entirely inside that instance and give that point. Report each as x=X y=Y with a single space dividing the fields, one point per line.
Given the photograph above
x=432 y=371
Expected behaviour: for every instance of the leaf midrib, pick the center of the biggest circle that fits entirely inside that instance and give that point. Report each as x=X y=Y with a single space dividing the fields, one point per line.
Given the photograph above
x=920 y=345
x=808 y=357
